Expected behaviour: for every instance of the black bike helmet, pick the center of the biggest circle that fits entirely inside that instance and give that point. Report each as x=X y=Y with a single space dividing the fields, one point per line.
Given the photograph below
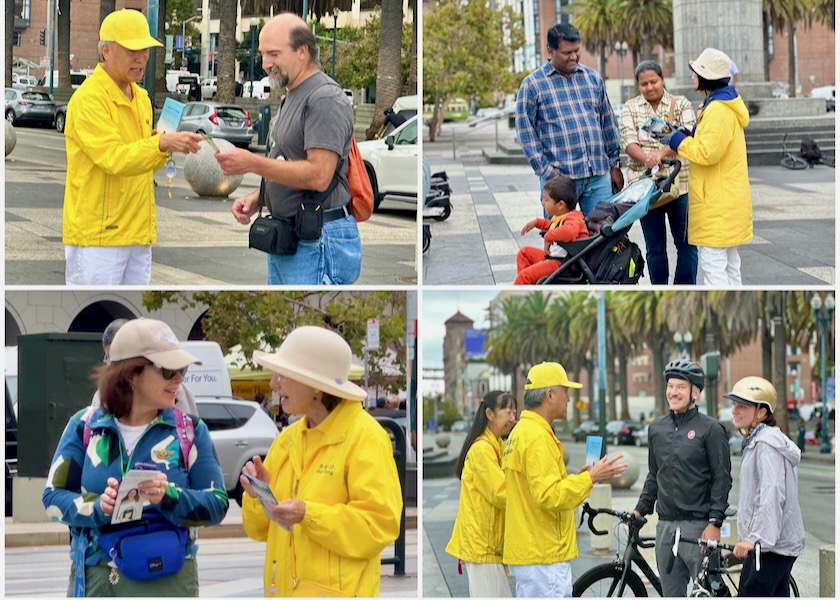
x=687 y=370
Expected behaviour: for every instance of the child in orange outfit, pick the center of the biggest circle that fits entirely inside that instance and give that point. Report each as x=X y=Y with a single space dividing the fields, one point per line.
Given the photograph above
x=566 y=225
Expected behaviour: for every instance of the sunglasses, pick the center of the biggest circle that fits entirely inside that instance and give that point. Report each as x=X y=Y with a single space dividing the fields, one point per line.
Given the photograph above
x=169 y=374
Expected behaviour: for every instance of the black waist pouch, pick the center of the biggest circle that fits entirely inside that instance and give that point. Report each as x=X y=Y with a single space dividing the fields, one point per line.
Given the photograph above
x=309 y=220
x=273 y=235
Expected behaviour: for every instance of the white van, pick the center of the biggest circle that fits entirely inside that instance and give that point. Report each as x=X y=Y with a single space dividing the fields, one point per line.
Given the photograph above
x=76 y=78
x=211 y=378
x=256 y=89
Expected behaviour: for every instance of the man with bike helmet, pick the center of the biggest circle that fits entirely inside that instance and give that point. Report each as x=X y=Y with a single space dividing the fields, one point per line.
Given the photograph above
x=688 y=474
x=768 y=501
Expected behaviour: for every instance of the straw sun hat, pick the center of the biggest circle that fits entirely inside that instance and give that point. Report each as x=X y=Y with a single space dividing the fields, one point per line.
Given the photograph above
x=317 y=357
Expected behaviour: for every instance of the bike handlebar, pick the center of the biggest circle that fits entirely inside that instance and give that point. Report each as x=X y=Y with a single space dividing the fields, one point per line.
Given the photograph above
x=624 y=517
x=677 y=539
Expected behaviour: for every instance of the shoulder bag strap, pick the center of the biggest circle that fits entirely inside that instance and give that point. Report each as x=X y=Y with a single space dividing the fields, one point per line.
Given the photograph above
x=671 y=110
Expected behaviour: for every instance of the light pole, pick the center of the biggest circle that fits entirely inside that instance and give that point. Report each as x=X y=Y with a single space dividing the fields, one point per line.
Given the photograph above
x=184 y=38
x=590 y=366
x=335 y=29
x=682 y=342
x=253 y=50
x=621 y=49
x=822 y=316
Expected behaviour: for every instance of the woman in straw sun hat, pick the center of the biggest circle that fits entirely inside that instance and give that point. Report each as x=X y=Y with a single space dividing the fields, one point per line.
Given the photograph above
x=768 y=503
x=719 y=202
x=338 y=495
x=136 y=423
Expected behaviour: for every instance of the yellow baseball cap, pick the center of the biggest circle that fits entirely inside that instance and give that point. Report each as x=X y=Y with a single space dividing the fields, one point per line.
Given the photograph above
x=549 y=374
x=128 y=28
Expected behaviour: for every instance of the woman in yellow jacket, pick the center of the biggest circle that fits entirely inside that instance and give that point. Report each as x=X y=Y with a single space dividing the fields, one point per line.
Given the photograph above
x=719 y=200
x=479 y=525
x=338 y=495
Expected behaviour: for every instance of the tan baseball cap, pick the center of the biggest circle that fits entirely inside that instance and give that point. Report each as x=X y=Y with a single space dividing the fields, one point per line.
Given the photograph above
x=712 y=64
x=153 y=340
x=129 y=28
x=549 y=374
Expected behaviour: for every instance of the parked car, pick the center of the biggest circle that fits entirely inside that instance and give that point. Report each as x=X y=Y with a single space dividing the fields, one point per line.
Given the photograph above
x=391 y=164
x=641 y=436
x=60 y=117
x=29 y=107
x=240 y=430
x=460 y=426
x=584 y=429
x=620 y=433
x=208 y=88
x=827 y=93
x=226 y=121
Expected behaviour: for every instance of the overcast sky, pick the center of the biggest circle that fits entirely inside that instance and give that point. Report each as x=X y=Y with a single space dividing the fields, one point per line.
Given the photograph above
x=438 y=307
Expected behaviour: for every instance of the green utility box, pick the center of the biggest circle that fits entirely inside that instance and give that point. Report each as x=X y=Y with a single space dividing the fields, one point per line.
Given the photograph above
x=54 y=382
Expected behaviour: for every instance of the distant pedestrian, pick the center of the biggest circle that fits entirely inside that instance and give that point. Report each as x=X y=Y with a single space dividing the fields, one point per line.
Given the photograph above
x=332 y=472
x=769 y=513
x=479 y=525
x=262 y=400
x=720 y=216
x=565 y=123
x=540 y=532
x=109 y=221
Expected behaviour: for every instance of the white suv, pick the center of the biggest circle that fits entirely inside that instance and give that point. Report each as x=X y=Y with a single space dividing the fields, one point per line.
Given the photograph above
x=392 y=164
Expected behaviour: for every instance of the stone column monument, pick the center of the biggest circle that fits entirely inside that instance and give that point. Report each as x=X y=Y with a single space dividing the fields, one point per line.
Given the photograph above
x=733 y=27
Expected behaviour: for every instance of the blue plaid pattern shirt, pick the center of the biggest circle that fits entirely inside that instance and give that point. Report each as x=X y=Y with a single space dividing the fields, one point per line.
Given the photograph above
x=567 y=123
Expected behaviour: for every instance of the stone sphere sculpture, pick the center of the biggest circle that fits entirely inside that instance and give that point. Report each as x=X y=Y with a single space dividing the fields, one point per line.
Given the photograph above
x=11 y=138
x=630 y=475
x=204 y=175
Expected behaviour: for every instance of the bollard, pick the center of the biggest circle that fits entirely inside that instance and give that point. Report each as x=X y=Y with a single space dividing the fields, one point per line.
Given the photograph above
x=601 y=497
x=400 y=453
x=827 y=568
x=11 y=138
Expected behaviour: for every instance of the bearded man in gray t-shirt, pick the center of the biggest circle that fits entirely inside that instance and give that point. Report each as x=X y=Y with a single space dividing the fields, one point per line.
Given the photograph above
x=308 y=148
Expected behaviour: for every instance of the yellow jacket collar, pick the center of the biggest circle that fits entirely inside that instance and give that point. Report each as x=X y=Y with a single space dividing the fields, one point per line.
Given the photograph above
x=491 y=439
x=529 y=415
x=101 y=78
x=333 y=429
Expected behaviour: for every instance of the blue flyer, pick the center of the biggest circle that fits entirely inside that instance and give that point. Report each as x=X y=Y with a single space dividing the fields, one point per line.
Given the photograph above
x=170 y=116
x=594 y=444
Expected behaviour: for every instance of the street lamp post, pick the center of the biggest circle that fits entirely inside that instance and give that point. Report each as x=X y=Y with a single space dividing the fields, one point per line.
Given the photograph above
x=590 y=366
x=822 y=316
x=335 y=29
x=682 y=342
x=184 y=38
x=621 y=49
x=253 y=49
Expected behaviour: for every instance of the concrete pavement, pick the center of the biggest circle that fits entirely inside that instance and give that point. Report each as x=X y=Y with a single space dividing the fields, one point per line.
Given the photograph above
x=793 y=217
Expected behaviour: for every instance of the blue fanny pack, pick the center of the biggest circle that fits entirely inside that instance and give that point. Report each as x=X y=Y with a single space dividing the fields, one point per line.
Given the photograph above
x=146 y=549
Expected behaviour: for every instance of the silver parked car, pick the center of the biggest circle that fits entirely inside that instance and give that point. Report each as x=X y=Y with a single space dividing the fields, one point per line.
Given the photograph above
x=28 y=107
x=240 y=429
x=226 y=121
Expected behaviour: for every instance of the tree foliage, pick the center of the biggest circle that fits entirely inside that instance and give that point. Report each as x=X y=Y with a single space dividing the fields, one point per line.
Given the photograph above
x=261 y=320
x=468 y=50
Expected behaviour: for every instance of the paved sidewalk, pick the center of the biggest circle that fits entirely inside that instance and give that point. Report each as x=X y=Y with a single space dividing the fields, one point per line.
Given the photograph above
x=793 y=218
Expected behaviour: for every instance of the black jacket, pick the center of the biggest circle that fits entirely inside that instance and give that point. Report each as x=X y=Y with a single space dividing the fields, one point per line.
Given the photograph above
x=688 y=468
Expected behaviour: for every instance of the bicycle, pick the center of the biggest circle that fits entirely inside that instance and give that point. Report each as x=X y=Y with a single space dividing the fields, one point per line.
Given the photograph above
x=704 y=586
x=791 y=160
x=618 y=578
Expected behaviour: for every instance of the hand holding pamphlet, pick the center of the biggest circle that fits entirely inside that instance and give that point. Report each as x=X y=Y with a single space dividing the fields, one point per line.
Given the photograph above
x=129 y=505
x=657 y=128
x=594 y=443
x=170 y=116
x=264 y=494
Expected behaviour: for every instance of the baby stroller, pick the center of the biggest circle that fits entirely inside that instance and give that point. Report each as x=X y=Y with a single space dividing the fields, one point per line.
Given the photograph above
x=436 y=205
x=609 y=257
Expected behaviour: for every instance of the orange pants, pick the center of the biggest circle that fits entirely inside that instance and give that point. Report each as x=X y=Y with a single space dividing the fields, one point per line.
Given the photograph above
x=532 y=265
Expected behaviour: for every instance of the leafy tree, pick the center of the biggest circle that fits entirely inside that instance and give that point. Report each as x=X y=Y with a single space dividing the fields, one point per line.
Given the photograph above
x=597 y=21
x=467 y=50
x=447 y=411
x=783 y=15
x=645 y=23
x=261 y=320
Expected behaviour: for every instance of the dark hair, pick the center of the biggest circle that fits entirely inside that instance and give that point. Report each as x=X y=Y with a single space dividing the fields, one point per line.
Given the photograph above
x=495 y=400
x=111 y=331
x=710 y=85
x=562 y=189
x=260 y=397
x=330 y=402
x=770 y=419
x=301 y=36
x=115 y=384
x=560 y=32
x=648 y=65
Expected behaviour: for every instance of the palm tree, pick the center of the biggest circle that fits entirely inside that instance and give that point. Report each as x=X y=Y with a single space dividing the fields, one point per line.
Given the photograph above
x=784 y=15
x=106 y=7
x=583 y=335
x=226 y=74
x=388 y=73
x=502 y=345
x=597 y=21
x=412 y=55
x=822 y=11
x=564 y=314
x=63 y=44
x=647 y=312
x=646 y=23
x=10 y=27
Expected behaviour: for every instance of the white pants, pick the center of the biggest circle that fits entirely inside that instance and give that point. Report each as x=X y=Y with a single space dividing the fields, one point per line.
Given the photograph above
x=487 y=580
x=108 y=265
x=720 y=266
x=543 y=581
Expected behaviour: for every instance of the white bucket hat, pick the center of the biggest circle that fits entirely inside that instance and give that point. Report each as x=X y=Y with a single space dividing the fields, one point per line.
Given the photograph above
x=712 y=64
x=153 y=340
x=317 y=357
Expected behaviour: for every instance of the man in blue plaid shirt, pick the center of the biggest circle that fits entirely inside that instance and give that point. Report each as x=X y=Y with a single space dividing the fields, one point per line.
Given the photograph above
x=565 y=123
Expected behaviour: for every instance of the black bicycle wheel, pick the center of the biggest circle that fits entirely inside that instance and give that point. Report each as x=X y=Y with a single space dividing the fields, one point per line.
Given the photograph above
x=602 y=582
x=794 y=162
x=794 y=589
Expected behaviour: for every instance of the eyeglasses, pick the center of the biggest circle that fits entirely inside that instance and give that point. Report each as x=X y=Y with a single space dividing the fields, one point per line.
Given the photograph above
x=169 y=374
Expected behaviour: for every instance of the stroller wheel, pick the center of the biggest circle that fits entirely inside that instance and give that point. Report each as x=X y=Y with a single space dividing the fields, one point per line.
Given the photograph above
x=447 y=210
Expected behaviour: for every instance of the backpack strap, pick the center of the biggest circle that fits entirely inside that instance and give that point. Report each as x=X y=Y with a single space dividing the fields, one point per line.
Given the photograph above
x=87 y=433
x=185 y=428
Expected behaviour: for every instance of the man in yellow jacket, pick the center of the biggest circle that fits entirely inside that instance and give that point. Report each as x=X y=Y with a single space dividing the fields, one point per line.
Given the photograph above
x=112 y=153
x=540 y=537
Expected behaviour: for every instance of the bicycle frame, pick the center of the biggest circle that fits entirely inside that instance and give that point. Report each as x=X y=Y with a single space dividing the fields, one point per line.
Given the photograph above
x=633 y=556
